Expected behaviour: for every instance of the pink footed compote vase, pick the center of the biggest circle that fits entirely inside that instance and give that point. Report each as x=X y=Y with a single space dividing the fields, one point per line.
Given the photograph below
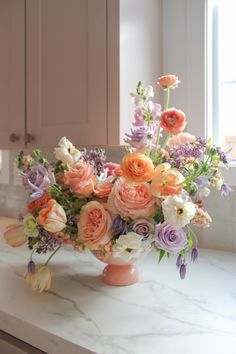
x=119 y=272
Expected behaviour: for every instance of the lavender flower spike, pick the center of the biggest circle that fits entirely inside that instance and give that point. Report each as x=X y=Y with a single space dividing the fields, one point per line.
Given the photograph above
x=182 y=270
x=194 y=254
x=180 y=260
x=225 y=190
x=31 y=267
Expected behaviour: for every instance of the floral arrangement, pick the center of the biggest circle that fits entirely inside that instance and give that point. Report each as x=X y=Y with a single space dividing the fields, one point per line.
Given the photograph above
x=148 y=201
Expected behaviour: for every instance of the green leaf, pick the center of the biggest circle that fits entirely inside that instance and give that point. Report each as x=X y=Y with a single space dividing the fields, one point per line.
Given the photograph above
x=161 y=255
x=190 y=242
x=159 y=217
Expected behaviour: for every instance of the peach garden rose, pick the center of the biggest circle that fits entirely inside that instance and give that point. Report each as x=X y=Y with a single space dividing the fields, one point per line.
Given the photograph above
x=81 y=179
x=94 y=225
x=103 y=189
x=131 y=200
x=137 y=167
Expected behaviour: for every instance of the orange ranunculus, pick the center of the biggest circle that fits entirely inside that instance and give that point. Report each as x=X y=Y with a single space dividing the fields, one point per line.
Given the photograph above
x=38 y=203
x=81 y=179
x=137 y=167
x=14 y=235
x=52 y=217
x=103 y=189
x=168 y=81
x=166 y=181
x=94 y=225
x=173 y=121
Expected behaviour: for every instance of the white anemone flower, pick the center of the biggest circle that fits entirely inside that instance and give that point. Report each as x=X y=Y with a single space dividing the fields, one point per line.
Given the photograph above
x=128 y=246
x=178 y=211
x=66 y=152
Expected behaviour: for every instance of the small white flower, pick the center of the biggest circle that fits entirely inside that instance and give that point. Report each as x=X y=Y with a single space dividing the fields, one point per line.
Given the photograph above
x=204 y=192
x=148 y=92
x=66 y=152
x=128 y=246
x=178 y=211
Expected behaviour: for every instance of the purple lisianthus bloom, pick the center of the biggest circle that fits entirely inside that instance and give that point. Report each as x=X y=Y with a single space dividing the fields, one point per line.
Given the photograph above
x=138 y=137
x=119 y=226
x=170 y=238
x=225 y=190
x=38 y=179
x=143 y=227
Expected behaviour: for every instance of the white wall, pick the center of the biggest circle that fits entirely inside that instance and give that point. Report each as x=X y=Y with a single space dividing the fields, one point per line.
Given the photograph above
x=140 y=50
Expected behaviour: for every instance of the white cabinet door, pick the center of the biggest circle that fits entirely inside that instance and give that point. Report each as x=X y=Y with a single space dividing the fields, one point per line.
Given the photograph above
x=12 y=68
x=66 y=71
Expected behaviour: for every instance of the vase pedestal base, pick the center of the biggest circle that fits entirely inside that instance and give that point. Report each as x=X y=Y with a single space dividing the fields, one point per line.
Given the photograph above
x=120 y=275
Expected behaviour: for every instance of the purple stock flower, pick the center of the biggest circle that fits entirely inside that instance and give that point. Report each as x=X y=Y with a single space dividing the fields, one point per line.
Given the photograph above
x=225 y=190
x=155 y=109
x=38 y=179
x=120 y=226
x=194 y=254
x=170 y=238
x=182 y=270
x=31 y=267
x=142 y=227
x=139 y=117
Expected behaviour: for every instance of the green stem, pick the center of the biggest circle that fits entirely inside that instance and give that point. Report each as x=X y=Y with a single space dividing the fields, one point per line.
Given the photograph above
x=54 y=252
x=199 y=172
x=31 y=255
x=166 y=141
x=193 y=234
x=166 y=104
x=166 y=98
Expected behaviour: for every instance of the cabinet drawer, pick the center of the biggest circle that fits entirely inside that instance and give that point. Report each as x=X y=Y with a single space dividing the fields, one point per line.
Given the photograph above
x=12 y=345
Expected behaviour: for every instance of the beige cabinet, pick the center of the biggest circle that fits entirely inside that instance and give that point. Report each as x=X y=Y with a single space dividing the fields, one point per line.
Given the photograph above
x=66 y=71
x=68 y=67
x=12 y=69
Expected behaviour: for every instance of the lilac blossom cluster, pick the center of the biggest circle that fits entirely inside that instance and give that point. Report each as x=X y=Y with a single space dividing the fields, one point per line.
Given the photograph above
x=179 y=154
x=96 y=157
x=47 y=242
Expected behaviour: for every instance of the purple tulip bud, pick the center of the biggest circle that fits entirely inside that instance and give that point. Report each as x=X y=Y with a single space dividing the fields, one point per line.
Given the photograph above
x=182 y=270
x=180 y=260
x=194 y=254
x=31 y=267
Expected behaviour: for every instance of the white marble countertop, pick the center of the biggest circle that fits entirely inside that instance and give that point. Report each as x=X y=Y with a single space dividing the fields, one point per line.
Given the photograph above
x=159 y=315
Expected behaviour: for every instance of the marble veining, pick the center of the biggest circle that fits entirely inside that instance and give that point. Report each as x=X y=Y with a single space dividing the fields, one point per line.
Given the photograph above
x=159 y=315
